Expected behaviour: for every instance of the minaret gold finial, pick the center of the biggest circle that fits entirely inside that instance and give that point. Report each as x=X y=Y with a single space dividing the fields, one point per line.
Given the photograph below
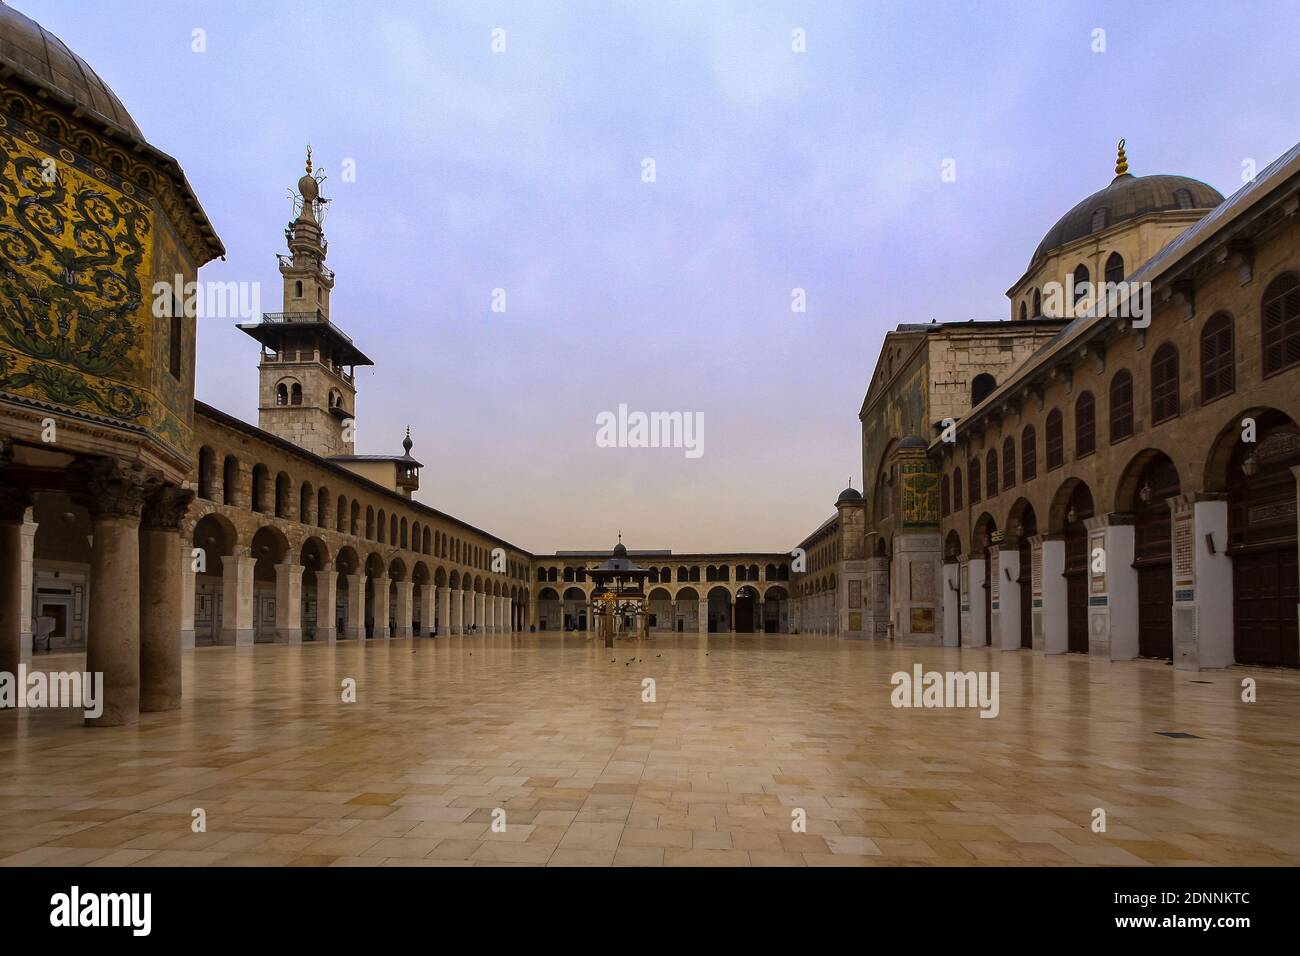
x=308 y=159
x=1121 y=161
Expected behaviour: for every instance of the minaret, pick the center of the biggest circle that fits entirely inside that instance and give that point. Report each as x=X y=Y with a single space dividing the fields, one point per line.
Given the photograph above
x=307 y=383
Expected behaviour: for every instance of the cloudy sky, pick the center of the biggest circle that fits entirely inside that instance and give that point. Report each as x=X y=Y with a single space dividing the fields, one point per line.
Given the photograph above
x=774 y=170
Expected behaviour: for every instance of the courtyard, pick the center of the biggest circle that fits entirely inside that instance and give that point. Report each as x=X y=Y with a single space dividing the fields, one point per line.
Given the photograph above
x=540 y=750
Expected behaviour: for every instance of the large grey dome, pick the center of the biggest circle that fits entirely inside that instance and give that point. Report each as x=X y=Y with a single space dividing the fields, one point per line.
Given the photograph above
x=1127 y=197
x=32 y=51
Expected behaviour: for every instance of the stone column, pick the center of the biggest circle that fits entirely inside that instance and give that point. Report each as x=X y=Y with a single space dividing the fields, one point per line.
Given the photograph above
x=237 y=599
x=355 y=628
x=1008 y=636
x=161 y=598
x=14 y=503
x=403 y=613
x=379 y=585
x=950 y=583
x=29 y=573
x=489 y=614
x=326 y=591
x=115 y=497
x=188 y=584
x=977 y=601
x=1113 y=610
x=288 y=604
x=457 y=617
x=1055 y=610
x=428 y=595
x=444 y=611
x=1203 y=626
x=479 y=611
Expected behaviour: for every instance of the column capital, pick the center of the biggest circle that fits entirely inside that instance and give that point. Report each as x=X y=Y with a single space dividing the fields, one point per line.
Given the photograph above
x=109 y=489
x=14 y=503
x=165 y=508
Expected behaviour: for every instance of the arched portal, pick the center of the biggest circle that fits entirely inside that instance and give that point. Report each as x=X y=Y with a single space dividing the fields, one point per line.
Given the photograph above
x=268 y=549
x=776 y=610
x=1078 y=509
x=313 y=558
x=746 y=610
x=214 y=536
x=719 y=610
x=1262 y=542
x=1023 y=523
x=1148 y=483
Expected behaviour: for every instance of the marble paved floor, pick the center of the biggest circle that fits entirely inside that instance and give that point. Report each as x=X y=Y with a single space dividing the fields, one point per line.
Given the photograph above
x=743 y=732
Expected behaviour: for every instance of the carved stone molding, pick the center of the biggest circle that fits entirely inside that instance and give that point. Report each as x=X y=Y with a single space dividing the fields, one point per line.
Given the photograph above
x=165 y=508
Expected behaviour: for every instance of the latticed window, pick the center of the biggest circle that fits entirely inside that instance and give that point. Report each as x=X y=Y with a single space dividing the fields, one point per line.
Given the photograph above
x=1121 y=406
x=1085 y=425
x=1164 y=384
x=973 y=468
x=956 y=490
x=1281 y=323
x=1218 y=376
x=1008 y=463
x=1055 y=440
x=1028 y=454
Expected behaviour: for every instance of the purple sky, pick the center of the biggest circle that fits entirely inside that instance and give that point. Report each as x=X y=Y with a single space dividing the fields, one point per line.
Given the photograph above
x=775 y=170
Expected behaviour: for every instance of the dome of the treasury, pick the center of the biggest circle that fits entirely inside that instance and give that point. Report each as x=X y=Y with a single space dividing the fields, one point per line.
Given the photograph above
x=28 y=49
x=849 y=494
x=1127 y=197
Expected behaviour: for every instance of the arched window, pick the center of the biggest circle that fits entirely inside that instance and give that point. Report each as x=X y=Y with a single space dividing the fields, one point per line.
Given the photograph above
x=945 y=496
x=1038 y=303
x=229 y=479
x=1183 y=198
x=297 y=288
x=1121 y=406
x=1115 y=267
x=1280 y=314
x=1008 y=463
x=973 y=480
x=1028 y=454
x=1085 y=425
x=282 y=394
x=1164 y=384
x=982 y=387
x=1024 y=311
x=956 y=490
x=1081 y=275
x=295 y=394
x=207 y=472
x=1055 y=440
x=306 y=498
x=991 y=472
x=260 y=478
x=1218 y=374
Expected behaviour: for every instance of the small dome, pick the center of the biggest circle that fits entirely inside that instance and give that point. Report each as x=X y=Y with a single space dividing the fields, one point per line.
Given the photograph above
x=41 y=57
x=308 y=188
x=620 y=551
x=913 y=441
x=849 y=494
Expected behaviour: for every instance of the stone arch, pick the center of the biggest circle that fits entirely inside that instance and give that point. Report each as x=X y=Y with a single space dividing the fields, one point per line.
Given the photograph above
x=982 y=536
x=952 y=545
x=346 y=561
x=397 y=569
x=1128 y=490
x=1060 y=506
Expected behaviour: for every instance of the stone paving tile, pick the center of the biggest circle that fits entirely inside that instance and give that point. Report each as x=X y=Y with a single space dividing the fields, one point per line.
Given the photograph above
x=739 y=744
